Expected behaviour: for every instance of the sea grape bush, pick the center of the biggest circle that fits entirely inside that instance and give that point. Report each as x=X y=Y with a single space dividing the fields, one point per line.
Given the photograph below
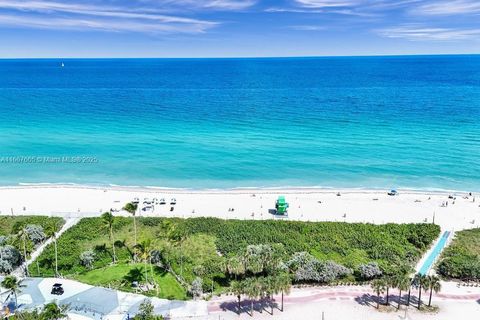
x=196 y=289
x=10 y=259
x=306 y=268
x=87 y=258
x=35 y=233
x=370 y=270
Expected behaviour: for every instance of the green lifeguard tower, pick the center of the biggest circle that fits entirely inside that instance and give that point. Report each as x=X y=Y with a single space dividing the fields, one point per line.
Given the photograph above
x=281 y=205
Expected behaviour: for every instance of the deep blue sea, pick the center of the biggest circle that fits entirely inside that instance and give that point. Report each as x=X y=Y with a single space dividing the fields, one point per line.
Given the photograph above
x=361 y=122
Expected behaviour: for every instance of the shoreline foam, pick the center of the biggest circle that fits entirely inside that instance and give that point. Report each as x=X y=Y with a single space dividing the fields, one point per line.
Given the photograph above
x=279 y=189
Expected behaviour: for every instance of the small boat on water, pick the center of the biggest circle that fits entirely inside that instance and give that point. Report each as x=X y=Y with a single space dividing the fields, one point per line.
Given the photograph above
x=63 y=65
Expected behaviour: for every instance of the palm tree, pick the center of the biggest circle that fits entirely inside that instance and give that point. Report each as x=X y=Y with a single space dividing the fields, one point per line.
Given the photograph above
x=132 y=209
x=23 y=234
x=284 y=285
x=254 y=264
x=266 y=257
x=144 y=248
x=390 y=282
x=410 y=290
x=108 y=220
x=52 y=311
x=253 y=291
x=402 y=282
x=238 y=288
x=236 y=266
x=379 y=286
x=272 y=287
x=50 y=232
x=13 y=285
x=134 y=233
x=434 y=285
x=420 y=281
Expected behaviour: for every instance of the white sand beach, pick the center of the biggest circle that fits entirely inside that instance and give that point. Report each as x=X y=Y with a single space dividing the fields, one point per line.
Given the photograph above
x=372 y=206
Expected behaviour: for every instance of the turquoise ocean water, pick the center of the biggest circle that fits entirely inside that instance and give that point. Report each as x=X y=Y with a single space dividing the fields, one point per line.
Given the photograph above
x=369 y=122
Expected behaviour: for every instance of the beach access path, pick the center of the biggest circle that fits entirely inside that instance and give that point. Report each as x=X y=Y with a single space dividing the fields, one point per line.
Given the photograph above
x=69 y=222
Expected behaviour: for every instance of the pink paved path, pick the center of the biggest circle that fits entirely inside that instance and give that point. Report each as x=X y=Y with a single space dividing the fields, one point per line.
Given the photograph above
x=361 y=294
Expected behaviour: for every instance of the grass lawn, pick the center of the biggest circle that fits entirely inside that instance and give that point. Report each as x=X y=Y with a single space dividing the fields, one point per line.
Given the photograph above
x=114 y=276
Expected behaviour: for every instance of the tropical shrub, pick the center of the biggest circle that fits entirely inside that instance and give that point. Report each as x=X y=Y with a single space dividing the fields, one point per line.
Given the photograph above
x=10 y=259
x=369 y=271
x=146 y=311
x=87 y=258
x=461 y=259
x=34 y=226
x=35 y=233
x=307 y=268
x=12 y=225
x=196 y=289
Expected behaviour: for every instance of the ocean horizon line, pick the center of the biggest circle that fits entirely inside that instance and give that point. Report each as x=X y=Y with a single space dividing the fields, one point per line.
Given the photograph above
x=243 y=57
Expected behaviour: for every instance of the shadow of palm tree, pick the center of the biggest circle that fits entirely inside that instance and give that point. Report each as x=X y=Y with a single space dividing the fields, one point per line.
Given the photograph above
x=102 y=249
x=245 y=306
x=233 y=307
x=367 y=299
x=123 y=244
x=134 y=275
x=160 y=271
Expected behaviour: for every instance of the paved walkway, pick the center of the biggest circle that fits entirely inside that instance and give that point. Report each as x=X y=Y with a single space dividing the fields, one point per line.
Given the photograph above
x=100 y=303
x=361 y=294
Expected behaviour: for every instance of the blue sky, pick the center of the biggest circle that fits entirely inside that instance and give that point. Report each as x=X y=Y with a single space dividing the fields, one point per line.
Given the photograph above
x=237 y=28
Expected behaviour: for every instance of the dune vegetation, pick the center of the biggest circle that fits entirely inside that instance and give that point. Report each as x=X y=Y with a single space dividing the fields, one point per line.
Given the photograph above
x=203 y=255
x=461 y=259
x=20 y=235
